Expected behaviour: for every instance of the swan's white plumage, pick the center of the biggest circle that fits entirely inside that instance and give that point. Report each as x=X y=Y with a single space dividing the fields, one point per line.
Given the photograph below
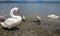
x=38 y=18
x=53 y=16
x=13 y=21
x=24 y=18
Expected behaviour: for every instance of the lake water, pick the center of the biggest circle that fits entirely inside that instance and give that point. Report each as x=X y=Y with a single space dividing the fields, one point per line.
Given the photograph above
x=31 y=9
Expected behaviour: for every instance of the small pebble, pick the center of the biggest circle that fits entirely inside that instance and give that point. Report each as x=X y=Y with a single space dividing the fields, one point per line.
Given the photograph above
x=5 y=33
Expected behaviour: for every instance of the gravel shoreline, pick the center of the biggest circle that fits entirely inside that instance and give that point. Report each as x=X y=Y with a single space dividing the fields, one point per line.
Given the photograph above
x=29 y=28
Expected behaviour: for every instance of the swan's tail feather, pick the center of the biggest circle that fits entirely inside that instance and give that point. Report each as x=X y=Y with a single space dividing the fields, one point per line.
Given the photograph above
x=3 y=24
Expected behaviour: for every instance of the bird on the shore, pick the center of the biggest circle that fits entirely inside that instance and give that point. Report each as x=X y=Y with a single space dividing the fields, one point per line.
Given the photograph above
x=53 y=16
x=38 y=19
x=23 y=18
x=14 y=20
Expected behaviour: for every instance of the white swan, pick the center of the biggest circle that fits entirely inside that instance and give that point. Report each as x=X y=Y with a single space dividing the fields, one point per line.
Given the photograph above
x=13 y=21
x=53 y=16
x=23 y=18
x=38 y=18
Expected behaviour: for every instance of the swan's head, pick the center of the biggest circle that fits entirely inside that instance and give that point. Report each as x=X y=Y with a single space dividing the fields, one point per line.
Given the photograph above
x=38 y=18
x=24 y=17
x=15 y=9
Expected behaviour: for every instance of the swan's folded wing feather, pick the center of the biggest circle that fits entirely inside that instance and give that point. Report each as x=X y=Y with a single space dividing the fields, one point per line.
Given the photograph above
x=10 y=21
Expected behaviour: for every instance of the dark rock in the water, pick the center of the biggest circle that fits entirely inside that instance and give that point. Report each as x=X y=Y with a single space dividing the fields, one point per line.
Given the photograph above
x=23 y=18
x=2 y=18
x=10 y=29
x=38 y=20
x=57 y=31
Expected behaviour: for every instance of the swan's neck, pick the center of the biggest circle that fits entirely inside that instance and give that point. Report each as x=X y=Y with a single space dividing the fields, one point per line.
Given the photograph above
x=14 y=16
x=11 y=14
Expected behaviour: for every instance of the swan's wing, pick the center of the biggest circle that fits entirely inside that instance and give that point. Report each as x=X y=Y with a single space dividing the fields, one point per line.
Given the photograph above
x=10 y=22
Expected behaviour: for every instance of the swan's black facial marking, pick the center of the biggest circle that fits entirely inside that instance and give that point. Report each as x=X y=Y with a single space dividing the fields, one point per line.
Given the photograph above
x=15 y=9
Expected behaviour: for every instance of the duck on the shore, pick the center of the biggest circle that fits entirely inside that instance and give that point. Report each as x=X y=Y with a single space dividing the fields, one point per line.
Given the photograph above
x=23 y=18
x=13 y=21
x=53 y=16
x=38 y=19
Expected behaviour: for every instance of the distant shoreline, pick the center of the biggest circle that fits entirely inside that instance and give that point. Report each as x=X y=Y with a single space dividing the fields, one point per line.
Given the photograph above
x=27 y=2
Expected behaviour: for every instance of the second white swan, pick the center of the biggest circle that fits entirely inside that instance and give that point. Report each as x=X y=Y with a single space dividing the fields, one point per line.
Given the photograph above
x=53 y=16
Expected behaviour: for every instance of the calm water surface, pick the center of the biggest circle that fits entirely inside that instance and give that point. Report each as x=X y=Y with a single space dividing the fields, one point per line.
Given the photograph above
x=31 y=9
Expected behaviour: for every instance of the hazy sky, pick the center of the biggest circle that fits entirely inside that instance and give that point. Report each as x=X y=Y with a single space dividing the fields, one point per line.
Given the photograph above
x=29 y=0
